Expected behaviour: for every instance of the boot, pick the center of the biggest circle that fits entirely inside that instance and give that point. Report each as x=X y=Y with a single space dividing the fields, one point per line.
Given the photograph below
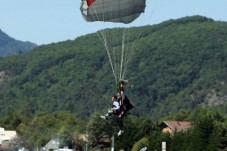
x=104 y=117
x=120 y=132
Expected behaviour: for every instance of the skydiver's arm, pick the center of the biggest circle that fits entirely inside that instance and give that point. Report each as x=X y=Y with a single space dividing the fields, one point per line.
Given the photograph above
x=122 y=95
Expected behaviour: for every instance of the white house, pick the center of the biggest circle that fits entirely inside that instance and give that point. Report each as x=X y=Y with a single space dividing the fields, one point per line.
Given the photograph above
x=7 y=135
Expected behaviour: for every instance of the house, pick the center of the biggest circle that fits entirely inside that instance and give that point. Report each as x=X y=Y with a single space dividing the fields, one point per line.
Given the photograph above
x=52 y=144
x=175 y=126
x=6 y=137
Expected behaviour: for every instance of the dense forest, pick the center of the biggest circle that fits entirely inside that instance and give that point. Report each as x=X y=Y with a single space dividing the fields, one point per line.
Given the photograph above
x=178 y=68
x=10 y=46
x=176 y=64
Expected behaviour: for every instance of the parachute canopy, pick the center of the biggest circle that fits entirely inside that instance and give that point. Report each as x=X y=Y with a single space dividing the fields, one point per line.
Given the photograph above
x=121 y=11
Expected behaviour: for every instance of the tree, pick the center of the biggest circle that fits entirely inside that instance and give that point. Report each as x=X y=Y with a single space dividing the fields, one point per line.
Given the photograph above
x=205 y=136
x=46 y=126
x=144 y=142
x=100 y=130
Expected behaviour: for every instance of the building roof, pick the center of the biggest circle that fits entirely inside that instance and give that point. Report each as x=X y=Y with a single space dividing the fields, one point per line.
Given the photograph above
x=177 y=125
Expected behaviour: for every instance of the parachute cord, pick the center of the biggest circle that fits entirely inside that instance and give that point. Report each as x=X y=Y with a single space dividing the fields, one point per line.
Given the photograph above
x=114 y=52
x=119 y=59
x=114 y=61
x=102 y=37
x=125 y=54
x=104 y=40
x=122 y=54
x=128 y=59
x=129 y=52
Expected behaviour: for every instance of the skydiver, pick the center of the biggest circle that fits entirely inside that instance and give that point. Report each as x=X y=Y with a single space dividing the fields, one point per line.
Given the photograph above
x=125 y=104
x=116 y=111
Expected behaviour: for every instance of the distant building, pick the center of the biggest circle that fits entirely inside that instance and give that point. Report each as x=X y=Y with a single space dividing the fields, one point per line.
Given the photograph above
x=6 y=137
x=83 y=137
x=175 y=126
x=52 y=144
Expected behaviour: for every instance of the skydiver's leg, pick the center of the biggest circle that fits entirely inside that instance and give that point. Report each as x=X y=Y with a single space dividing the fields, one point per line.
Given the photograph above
x=120 y=124
x=109 y=113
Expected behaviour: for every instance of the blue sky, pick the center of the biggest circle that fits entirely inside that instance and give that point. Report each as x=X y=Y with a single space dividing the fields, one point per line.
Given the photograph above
x=48 y=21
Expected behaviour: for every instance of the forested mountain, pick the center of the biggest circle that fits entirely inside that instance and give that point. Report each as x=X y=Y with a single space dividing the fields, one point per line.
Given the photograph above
x=177 y=64
x=10 y=46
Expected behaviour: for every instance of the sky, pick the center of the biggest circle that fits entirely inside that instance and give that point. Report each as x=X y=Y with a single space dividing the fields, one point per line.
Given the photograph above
x=51 y=21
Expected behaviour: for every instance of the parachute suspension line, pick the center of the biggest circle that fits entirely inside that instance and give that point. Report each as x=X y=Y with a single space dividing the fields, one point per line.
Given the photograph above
x=126 y=53
x=118 y=59
x=119 y=51
x=122 y=55
x=105 y=43
x=129 y=51
x=115 y=60
x=102 y=37
x=128 y=59
x=114 y=53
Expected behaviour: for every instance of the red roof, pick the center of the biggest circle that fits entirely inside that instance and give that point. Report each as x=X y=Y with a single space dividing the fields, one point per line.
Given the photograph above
x=178 y=125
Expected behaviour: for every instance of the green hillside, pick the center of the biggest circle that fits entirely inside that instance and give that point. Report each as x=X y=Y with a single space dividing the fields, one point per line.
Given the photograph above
x=10 y=46
x=177 y=64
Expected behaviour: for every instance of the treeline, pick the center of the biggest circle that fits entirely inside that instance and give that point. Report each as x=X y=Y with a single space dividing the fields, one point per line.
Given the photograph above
x=208 y=133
